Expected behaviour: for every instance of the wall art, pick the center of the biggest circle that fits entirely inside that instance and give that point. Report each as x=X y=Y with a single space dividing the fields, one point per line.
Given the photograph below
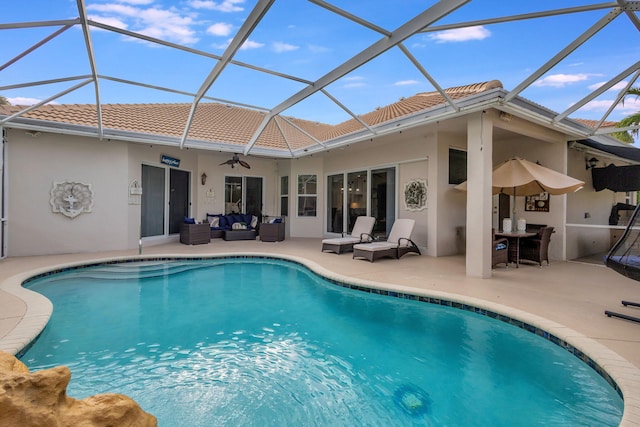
x=415 y=195
x=71 y=198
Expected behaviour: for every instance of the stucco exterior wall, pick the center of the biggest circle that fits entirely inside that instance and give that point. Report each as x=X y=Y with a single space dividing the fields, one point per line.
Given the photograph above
x=34 y=164
x=551 y=155
x=306 y=226
x=588 y=231
x=408 y=151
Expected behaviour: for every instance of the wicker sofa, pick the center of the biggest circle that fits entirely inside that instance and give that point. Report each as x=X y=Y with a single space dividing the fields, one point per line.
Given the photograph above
x=221 y=223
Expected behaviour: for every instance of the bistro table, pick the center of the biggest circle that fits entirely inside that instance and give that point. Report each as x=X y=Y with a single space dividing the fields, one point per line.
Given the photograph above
x=514 y=237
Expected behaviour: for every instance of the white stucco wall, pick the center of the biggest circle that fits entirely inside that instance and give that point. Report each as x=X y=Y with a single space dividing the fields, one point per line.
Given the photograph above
x=408 y=152
x=34 y=164
x=306 y=226
x=588 y=211
x=548 y=154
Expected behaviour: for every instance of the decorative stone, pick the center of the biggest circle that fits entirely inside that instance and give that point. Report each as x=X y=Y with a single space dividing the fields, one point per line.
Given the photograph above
x=71 y=198
x=40 y=399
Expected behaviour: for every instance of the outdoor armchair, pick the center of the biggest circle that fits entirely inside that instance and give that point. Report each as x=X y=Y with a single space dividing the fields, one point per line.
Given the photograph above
x=499 y=250
x=536 y=248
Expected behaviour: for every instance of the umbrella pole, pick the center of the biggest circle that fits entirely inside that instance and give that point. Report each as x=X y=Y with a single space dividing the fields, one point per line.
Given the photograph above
x=514 y=211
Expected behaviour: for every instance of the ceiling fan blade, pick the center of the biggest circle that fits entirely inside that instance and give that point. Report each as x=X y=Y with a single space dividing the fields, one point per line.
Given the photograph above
x=245 y=164
x=228 y=162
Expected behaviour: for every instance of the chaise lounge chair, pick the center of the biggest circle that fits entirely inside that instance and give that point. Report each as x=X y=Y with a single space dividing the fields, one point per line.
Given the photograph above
x=361 y=233
x=398 y=243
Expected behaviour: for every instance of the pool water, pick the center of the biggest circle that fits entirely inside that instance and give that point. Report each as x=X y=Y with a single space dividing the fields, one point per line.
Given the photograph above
x=268 y=343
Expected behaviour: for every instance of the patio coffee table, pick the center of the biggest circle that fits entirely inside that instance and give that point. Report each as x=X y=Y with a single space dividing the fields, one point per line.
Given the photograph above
x=239 y=235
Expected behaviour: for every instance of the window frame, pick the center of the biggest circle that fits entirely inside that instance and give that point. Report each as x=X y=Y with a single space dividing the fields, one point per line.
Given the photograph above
x=302 y=194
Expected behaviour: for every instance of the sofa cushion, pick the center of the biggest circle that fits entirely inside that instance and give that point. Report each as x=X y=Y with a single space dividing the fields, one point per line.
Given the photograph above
x=246 y=218
x=188 y=220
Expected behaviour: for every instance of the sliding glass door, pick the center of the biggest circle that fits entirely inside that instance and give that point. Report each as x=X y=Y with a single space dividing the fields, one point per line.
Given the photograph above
x=383 y=196
x=153 y=197
x=365 y=192
x=335 y=203
x=356 y=197
x=163 y=206
x=243 y=194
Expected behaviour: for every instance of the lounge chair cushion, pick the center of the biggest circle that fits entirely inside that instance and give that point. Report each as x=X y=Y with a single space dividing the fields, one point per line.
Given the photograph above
x=375 y=246
x=398 y=243
x=361 y=233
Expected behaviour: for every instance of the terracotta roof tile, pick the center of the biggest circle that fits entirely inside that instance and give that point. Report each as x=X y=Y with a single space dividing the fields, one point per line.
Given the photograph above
x=228 y=124
x=594 y=123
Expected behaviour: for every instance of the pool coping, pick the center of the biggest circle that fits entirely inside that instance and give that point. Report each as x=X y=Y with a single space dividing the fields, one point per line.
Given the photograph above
x=623 y=376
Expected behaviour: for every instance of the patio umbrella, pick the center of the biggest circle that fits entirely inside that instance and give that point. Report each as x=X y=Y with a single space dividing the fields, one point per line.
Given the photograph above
x=520 y=177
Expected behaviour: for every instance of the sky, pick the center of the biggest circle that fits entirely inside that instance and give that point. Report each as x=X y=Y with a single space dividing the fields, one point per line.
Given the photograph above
x=302 y=40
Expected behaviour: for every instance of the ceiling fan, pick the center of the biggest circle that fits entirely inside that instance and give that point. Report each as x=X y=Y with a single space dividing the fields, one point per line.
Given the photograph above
x=234 y=161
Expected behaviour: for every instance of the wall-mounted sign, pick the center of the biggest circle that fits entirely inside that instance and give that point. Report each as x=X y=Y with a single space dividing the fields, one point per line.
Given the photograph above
x=171 y=161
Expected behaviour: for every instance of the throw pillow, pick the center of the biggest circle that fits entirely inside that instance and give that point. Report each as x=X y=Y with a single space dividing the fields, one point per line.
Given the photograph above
x=188 y=220
x=214 y=221
x=254 y=221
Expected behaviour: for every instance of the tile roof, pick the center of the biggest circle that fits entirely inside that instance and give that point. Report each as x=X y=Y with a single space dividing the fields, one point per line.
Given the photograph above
x=594 y=123
x=232 y=125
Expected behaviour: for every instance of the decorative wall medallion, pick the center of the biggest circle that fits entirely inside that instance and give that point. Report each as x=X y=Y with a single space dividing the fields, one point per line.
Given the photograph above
x=71 y=198
x=415 y=195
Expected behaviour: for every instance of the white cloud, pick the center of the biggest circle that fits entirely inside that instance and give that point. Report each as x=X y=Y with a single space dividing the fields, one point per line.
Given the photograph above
x=406 y=82
x=617 y=87
x=19 y=100
x=560 y=80
x=222 y=6
x=114 y=22
x=354 y=81
x=136 y=2
x=250 y=44
x=220 y=29
x=280 y=47
x=160 y=23
x=313 y=48
x=631 y=106
x=477 y=32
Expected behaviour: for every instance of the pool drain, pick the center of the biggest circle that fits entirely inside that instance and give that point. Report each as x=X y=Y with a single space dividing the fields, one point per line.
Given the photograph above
x=412 y=399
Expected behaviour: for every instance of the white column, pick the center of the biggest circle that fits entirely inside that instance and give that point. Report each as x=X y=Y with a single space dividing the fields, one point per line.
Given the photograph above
x=479 y=165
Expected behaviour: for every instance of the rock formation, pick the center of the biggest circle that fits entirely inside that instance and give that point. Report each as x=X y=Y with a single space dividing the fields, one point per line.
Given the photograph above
x=40 y=399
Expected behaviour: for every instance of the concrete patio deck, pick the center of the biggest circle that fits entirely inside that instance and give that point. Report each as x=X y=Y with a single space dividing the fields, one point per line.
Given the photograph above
x=565 y=298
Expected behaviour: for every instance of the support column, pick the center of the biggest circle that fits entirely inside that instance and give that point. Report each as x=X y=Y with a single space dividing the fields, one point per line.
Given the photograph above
x=479 y=202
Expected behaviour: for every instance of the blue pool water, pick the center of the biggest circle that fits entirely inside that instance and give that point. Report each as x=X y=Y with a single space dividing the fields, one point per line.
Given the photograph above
x=267 y=343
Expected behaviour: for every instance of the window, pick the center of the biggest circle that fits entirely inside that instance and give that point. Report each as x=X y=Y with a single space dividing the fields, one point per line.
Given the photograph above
x=307 y=195
x=284 y=195
x=457 y=166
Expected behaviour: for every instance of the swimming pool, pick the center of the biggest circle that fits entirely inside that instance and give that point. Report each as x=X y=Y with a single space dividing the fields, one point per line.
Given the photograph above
x=265 y=342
